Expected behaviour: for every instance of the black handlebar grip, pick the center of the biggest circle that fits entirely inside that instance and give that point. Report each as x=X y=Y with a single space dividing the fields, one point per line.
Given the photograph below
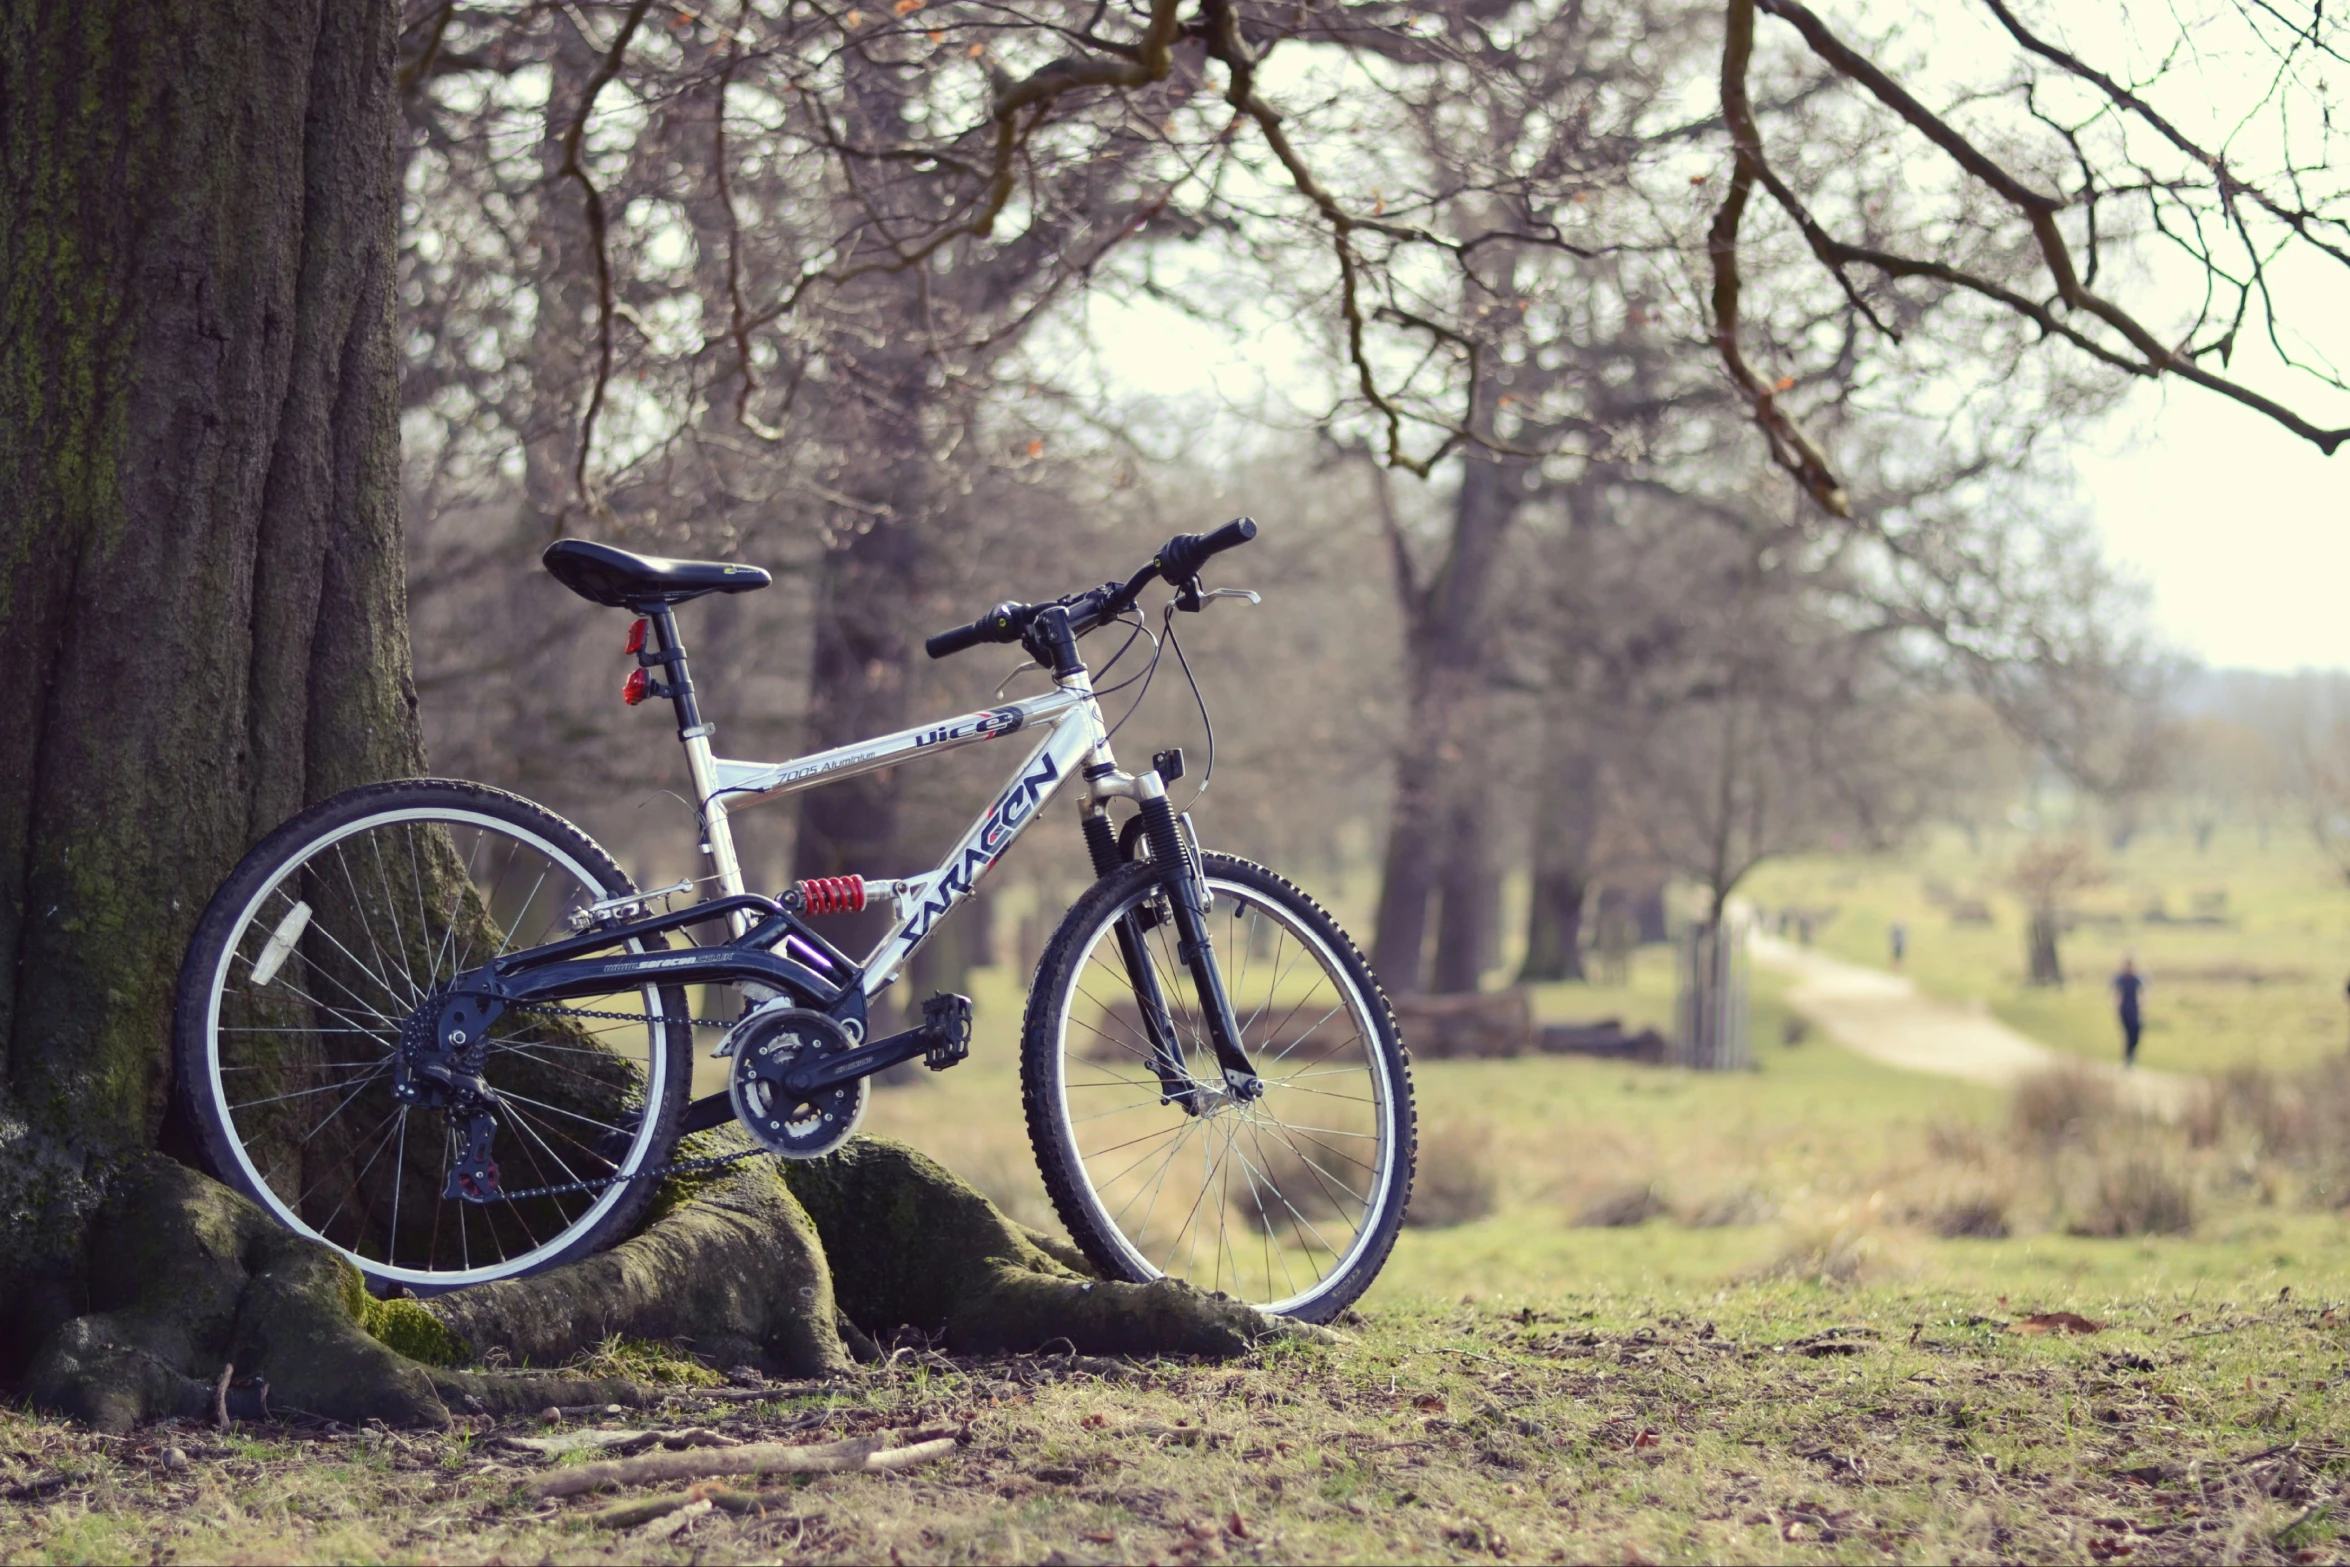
x=1000 y=624
x=1187 y=552
x=947 y=643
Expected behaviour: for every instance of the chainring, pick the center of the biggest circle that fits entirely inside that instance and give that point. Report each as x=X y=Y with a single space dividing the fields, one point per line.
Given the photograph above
x=768 y=1045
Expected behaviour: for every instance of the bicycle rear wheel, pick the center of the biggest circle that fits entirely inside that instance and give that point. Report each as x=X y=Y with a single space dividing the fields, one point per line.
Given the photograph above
x=1290 y=1201
x=323 y=940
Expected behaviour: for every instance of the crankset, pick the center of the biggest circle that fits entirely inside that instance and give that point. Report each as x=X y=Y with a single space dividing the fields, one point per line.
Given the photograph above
x=796 y=1120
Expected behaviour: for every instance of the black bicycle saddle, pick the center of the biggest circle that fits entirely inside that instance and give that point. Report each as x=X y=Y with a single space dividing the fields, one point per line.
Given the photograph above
x=618 y=579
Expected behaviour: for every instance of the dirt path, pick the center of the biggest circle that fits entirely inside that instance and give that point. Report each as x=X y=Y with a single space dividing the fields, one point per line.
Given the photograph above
x=1882 y=1016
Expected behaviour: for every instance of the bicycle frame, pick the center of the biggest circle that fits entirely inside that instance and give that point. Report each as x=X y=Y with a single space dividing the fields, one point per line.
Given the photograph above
x=1074 y=743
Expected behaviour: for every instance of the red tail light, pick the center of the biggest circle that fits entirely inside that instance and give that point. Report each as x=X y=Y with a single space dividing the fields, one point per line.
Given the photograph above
x=636 y=637
x=637 y=687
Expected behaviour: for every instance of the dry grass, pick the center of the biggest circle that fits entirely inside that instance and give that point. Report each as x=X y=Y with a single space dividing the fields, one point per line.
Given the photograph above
x=2062 y=1105
x=1838 y=1256
x=1457 y=1181
x=1980 y=1213
x=2135 y=1186
x=1621 y=1207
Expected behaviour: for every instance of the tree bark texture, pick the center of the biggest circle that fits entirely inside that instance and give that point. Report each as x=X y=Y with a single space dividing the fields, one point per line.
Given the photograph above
x=1448 y=644
x=201 y=582
x=1566 y=814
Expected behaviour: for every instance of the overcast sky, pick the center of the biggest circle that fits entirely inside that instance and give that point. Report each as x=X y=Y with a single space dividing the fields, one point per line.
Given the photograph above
x=2241 y=530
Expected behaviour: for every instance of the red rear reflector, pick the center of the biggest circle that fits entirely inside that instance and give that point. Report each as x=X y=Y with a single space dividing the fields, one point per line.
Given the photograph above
x=636 y=688
x=636 y=637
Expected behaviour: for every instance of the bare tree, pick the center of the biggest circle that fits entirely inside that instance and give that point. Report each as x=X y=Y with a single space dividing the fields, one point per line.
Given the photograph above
x=2045 y=874
x=2038 y=194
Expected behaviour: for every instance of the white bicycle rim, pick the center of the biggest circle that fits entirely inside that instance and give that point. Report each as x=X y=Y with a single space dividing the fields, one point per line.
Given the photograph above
x=656 y=1080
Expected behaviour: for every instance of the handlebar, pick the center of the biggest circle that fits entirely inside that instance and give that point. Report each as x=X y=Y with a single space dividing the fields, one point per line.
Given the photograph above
x=1177 y=563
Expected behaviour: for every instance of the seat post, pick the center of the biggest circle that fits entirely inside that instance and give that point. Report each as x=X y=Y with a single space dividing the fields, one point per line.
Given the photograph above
x=709 y=810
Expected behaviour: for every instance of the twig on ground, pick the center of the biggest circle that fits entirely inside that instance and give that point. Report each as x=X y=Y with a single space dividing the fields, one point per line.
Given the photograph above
x=880 y=1451
x=220 y=1397
x=628 y=1515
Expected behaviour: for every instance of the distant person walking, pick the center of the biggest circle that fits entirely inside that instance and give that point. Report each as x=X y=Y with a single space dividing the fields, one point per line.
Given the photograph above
x=1900 y=935
x=2126 y=988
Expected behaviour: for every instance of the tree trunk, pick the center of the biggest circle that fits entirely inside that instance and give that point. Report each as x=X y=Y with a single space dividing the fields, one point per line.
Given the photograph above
x=1468 y=927
x=2040 y=953
x=1566 y=813
x=199 y=462
x=1448 y=644
x=561 y=359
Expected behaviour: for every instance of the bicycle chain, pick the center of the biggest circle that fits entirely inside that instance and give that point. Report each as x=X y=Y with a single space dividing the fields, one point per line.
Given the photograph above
x=675 y=1167
x=598 y=1183
x=624 y=1017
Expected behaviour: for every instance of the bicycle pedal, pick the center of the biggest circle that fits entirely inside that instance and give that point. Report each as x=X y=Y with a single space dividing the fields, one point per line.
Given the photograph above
x=947 y=1020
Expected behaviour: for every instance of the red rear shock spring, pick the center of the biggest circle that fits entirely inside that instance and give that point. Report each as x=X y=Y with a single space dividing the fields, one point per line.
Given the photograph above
x=832 y=895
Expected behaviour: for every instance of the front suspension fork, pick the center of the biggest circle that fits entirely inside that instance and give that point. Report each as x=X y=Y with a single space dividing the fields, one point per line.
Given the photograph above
x=1187 y=897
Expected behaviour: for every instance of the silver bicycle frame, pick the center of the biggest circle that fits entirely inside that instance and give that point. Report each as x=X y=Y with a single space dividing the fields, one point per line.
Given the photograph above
x=1074 y=742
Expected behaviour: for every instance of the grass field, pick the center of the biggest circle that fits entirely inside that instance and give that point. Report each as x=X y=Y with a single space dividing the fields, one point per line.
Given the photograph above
x=1672 y=1317
x=2265 y=987
x=1701 y=1318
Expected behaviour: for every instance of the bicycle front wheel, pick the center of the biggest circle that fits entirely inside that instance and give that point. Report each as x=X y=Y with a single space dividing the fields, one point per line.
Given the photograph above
x=320 y=944
x=1289 y=1201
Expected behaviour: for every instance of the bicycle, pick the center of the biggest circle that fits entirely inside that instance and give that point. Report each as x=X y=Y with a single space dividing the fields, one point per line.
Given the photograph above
x=471 y=989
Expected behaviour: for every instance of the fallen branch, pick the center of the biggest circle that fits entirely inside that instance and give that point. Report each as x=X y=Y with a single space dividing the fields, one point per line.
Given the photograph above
x=865 y=1454
x=628 y=1515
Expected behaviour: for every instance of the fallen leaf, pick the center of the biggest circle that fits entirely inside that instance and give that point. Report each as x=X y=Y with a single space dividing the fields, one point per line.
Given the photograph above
x=1645 y=1438
x=1238 y=1527
x=1094 y=1422
x=2054 y=1322
x=1428 y=1401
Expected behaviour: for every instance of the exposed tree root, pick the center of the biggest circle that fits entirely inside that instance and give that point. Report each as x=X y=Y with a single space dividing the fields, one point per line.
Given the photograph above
x=764 y=1266
x=733 y=1277
x=184 y=1277
x=912 y=1246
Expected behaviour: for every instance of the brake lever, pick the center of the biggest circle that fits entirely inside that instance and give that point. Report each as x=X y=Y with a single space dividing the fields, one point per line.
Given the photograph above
x=1018 y=670
x=1192 y=598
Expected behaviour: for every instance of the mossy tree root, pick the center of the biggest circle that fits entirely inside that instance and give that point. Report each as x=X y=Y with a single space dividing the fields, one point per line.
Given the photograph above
x=185 y=1276
x=733 y=1277
x=764 y=1266
x=912 y=1246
